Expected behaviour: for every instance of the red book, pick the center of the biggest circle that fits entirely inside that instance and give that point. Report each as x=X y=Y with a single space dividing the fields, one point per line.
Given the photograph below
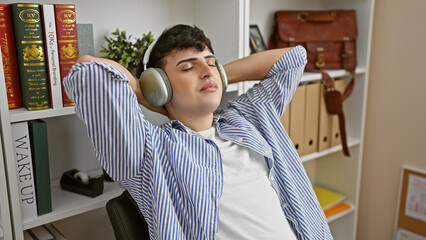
x=66 y=30
x=8 y=53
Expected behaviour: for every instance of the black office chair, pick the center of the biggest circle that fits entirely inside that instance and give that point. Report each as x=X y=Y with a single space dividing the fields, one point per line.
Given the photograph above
x=126 y=219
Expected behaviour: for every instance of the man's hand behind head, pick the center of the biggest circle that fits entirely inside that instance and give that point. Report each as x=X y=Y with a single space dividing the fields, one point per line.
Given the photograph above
x=134 y=82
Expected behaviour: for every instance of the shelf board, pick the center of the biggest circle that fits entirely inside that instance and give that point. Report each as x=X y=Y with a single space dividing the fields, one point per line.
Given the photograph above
x=307 y=77
x=341 y=214
x=232 y=87
x=352 y=142
x=21 y=114
x=66 y=204
x=316 y=76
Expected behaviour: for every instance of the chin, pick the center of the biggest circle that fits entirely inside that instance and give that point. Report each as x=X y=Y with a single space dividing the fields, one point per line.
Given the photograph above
x=211 y=106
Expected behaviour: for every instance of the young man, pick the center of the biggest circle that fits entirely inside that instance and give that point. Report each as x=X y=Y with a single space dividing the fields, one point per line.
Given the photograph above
x=230 y=175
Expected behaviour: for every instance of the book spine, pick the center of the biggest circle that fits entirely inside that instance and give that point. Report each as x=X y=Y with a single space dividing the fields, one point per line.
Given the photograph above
x=52 y=55
x=24 y=167
x=66 y=30
x=8 y=53
x=41 y=233
x=40 y=159
x=30 y=54
x=55 y=231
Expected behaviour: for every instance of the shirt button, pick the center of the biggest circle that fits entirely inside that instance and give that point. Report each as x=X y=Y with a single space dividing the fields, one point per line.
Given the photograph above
x=266 y=152
x=240 y=139
x=272 y=178
x=285 y=205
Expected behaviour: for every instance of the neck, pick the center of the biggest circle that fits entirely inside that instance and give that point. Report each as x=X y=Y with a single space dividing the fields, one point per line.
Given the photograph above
x=196 y=122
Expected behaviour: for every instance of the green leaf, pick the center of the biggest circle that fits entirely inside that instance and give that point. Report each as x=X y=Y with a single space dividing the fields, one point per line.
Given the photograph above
x=123 y=50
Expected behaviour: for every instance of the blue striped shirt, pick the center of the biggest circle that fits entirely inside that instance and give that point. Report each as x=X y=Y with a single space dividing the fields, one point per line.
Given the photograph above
x=172 y=172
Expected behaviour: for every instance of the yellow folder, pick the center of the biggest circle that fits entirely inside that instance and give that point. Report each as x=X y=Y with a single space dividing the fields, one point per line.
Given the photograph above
x=328 y=198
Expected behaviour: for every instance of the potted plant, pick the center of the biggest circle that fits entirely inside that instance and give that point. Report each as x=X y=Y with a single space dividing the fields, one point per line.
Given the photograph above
x=123 y=50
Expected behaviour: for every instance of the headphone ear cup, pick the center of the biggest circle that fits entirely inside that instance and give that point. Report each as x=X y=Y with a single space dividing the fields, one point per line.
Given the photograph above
x=222 y=75
x=156 y=87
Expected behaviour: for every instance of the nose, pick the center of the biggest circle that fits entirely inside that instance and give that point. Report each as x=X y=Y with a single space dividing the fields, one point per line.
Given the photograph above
x=206 y=71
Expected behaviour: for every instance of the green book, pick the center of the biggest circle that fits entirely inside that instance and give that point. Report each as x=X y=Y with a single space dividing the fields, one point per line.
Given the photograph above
x=30 y=49
x=40 y=158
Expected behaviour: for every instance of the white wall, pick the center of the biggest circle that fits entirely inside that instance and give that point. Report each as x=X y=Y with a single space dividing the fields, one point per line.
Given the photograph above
x=395 y=132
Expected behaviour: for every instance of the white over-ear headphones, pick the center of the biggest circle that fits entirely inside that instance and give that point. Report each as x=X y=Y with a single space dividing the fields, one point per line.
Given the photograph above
x=155 y=84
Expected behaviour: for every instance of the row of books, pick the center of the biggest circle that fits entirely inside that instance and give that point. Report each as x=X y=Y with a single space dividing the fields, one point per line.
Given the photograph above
x=39 y=45
x=30 y=145
x=307 y=121
x=44 y=232
x=331 y=202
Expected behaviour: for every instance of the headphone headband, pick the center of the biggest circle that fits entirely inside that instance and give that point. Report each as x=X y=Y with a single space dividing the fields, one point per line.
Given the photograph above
x=148 y=53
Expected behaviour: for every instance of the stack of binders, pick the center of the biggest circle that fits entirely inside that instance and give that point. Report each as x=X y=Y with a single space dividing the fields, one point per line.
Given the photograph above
x=307 y=121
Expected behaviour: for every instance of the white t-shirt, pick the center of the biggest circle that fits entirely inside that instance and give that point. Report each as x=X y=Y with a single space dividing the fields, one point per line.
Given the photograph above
x=249 y=207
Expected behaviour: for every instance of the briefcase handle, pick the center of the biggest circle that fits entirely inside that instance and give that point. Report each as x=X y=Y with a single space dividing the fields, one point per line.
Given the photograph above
x=317 y=16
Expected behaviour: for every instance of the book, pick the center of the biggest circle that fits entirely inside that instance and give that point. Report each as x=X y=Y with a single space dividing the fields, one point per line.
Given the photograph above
x=86 y=44
x=52 y=55
x=24 y=167
x=27 y=236
x=40 y=159
x=8 y=54
x=66 y=30
x=328 y=198
x=41 y=233
x=55 y=231
x=337 y=209
x=30 y=50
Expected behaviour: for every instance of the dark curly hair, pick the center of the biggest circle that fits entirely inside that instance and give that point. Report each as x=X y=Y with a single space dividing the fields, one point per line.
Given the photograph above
x=178 y=37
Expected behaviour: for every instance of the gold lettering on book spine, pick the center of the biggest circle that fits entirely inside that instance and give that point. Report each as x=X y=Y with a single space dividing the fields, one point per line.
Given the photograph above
x=35 y=53
x=30 y=15
x=64 y=6
x=70 y=51
x=7 y=66
x=67 y=16
x=38 y=105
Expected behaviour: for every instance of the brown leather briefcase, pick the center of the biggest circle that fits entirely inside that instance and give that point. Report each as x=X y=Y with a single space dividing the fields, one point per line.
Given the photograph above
x=329 y=37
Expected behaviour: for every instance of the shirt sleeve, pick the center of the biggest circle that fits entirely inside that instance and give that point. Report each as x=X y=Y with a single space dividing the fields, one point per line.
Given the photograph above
x=105 y=102
x=281 y=81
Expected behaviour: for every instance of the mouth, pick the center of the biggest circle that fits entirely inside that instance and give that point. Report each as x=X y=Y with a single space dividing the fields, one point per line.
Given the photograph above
x=209 y=86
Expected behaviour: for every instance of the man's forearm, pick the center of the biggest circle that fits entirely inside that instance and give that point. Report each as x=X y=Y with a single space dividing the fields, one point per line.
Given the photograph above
x=253 y=67
x=134 y=83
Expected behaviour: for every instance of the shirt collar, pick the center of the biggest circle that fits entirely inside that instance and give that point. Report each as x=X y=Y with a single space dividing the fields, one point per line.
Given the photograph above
x=176 y=124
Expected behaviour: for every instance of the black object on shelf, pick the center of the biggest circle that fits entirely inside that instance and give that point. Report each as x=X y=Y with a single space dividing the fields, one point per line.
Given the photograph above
x=107 y=178
x=92 y=188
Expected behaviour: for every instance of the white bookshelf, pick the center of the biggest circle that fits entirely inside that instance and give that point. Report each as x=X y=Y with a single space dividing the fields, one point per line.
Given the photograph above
x=5 y=222
x=6 y=229
x=67 y=204
x=226 y=23
x=19 y=115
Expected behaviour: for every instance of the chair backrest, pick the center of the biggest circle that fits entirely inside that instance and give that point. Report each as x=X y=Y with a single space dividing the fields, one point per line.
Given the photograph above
x=126 y=218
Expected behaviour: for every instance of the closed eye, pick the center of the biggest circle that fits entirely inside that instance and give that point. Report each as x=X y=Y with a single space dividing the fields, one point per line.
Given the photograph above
x=187 y=69
x=211 y=62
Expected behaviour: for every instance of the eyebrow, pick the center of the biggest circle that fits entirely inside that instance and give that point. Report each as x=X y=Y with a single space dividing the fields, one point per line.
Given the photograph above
x=192 y=59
